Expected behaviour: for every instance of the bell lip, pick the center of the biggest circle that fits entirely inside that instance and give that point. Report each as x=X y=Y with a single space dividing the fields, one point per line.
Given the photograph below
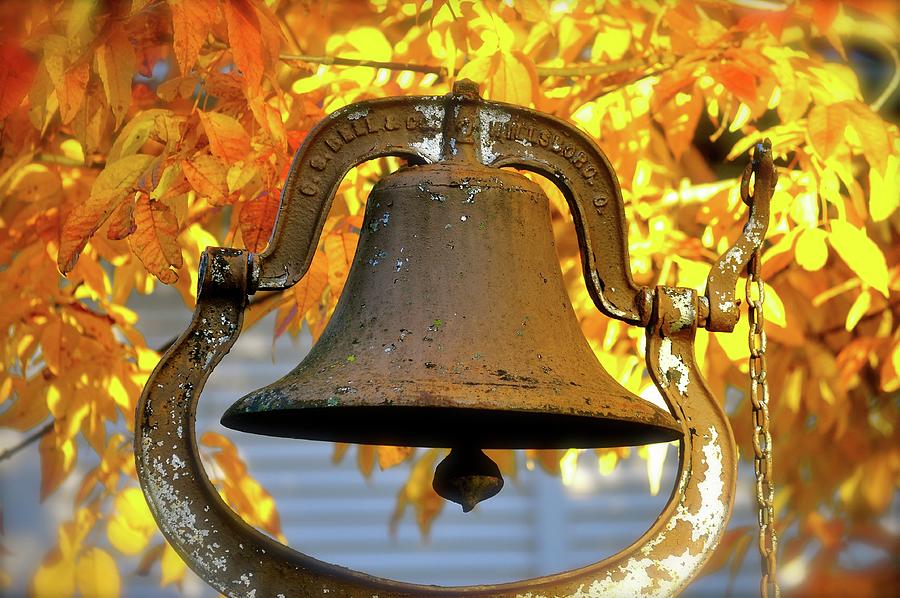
x=448 y=427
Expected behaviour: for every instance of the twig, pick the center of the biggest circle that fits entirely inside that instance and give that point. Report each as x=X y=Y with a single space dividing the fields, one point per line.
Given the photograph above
x=6 y=454
x=584 y=70
x=895 y=78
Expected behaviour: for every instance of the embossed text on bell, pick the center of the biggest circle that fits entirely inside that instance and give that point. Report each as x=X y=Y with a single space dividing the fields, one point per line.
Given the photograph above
x=454 y=330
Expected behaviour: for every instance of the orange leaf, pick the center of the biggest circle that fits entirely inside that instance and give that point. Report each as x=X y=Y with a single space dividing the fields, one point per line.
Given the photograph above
x=257 y=219
x=208 y=176
x=112 y=185
x=17 y=70
x=826 y=126
x=244 y=35
x=227 y=138
x=115 y=65
x=737 y=80
x=192 y=21
x=389 y=456
x=340 y=246
x=121 y=221
x=154 y=239
x=71 y=91
x=58 y=455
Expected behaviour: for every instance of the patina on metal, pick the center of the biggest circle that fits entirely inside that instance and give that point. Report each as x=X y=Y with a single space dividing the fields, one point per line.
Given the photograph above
x=445 y=136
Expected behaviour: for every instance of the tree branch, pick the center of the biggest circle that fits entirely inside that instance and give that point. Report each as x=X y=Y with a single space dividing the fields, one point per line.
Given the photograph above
x=7 y=453
x=584 y=70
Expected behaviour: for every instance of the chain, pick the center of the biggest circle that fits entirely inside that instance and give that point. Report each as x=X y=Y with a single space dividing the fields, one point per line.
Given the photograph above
x=762 y=438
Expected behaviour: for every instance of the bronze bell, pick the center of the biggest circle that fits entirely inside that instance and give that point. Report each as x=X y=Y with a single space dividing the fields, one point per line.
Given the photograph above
x=454 y=330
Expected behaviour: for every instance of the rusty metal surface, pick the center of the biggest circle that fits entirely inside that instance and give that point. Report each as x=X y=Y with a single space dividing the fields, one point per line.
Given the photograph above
x=723 y=307
x=458 y=127
x=454 y=328
x=237 y=560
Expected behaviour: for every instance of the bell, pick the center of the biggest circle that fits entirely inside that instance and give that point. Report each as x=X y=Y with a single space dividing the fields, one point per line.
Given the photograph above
x=454 y=329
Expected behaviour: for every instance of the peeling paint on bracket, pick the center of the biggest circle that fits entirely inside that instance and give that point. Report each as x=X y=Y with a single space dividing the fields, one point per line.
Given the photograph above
x=239 y=561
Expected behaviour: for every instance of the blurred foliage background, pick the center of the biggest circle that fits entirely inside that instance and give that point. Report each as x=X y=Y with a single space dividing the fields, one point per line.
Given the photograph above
x=135 y=134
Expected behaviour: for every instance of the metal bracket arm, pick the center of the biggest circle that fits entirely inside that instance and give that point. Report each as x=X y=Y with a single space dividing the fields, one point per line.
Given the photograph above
x=721 y=310
x=458 y=127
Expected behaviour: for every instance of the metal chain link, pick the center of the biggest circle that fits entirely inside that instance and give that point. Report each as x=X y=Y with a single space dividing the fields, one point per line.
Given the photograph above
x=762 y=438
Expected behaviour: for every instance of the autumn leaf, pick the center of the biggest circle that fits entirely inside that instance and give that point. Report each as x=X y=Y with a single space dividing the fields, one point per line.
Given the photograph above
x=115 y=65
x=121 y=221
x=208 y=176
x=173 y=568
x=825 y=127
x=736 y=79
x=58 y=456
x=257 y=219
x=244 y=35
x=154 y=240
x=116 y=182
x=861 y=254
x=227 y=138
x=72 y=89
x=389 y=456
x=192 y=21
x=17 y=71
x=97 y=574
x=130 y=528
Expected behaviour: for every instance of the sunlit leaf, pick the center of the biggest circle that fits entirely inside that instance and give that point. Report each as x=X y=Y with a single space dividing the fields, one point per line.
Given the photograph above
x=154 y=240
x=97 y=574
x=861 y=254
x=115 y=183
x=115 y=65
x=17 y=71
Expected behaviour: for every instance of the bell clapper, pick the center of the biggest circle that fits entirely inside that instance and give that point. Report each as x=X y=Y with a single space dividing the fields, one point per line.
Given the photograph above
x=467 y=476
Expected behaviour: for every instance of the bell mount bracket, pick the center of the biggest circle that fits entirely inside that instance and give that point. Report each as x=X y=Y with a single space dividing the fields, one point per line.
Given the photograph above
x=236 y=559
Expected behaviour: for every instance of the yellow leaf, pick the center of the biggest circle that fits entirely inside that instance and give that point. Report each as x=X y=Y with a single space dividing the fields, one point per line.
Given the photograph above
x=825 y=127
x=370 y=43
x=55 y=579
x=208 y=176
x=135 y=133
x=57 y=459
x=883 y=189
x=568 y=466
x=873 y=134
x=811 y=251
x=115 y=65
x=340 y=246
x=861 y=254
x=656 y=459
x=611 y=43
x=154 y=240
x=606 y=462
x=111 y=186
x=389 y=456
x=173 y=568
x=773 y=308
x=97 y=574
x=129 y=530
x=858 y=309
x=227 y=138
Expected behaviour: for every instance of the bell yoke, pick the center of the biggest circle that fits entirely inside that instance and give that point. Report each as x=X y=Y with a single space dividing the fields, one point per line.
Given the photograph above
x=453 y=330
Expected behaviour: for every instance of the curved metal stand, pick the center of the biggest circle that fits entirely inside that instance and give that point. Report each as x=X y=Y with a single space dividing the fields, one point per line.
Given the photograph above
x=238 y=560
